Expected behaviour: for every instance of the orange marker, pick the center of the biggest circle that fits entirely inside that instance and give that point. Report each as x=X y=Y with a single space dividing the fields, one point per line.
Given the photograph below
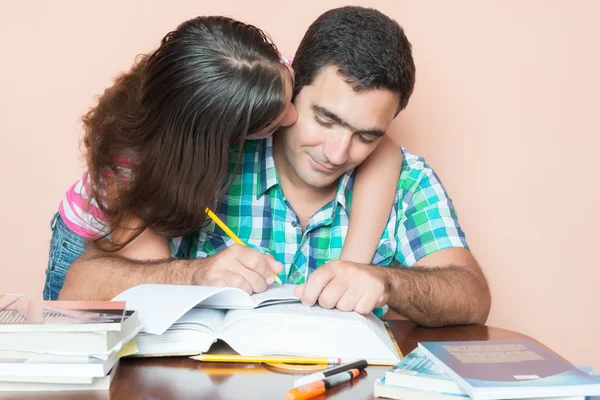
x=316 y=388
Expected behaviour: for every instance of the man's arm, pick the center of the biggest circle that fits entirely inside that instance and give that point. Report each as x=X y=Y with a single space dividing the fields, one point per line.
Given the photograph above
x=443 y=288
x=98 y=275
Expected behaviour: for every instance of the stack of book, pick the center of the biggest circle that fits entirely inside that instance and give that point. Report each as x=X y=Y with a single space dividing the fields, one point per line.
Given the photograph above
x=486 y=370
x=62 y=345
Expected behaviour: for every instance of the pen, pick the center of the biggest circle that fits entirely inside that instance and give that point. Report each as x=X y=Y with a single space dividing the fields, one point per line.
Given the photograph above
x=232 y=235
x=267 y=359
x=360 y=365
x=316 y=388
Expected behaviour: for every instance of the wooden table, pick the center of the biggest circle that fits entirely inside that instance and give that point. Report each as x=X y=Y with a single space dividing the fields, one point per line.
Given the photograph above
x=183 y=378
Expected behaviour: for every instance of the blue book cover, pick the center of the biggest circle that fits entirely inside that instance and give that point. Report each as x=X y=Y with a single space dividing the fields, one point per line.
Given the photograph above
x=501 y=369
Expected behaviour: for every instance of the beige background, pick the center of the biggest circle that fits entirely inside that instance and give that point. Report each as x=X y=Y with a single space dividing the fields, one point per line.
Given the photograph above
x=505 y=109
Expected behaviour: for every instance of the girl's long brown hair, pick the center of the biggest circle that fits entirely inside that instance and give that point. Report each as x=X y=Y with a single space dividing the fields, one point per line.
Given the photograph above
x=157 y=143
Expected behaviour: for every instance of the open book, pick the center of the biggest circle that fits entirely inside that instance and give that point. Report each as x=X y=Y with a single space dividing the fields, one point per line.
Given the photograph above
x=178 y=320
x=285 y=329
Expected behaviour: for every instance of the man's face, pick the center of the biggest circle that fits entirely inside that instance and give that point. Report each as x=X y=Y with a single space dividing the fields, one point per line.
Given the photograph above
x=336 y=130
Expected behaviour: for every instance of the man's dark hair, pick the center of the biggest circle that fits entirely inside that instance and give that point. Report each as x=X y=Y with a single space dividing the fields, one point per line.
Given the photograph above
x=369 y=49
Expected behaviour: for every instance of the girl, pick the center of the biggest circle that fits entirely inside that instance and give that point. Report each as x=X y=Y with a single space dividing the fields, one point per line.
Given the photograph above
x=157 y=147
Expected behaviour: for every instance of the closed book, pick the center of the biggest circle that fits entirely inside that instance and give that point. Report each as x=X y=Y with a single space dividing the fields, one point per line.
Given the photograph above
x=509 y=369
x=65 y=327
x=383 y=389
x=94 y=367
x=416 y=377
x=419 y=372
x=61 y=384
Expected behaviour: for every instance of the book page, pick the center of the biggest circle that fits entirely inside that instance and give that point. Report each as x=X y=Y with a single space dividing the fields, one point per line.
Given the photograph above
x=275 y=294
x=299 y=330
x=232 y=298
x=210 y=318
x=159 y=306
x=193 y=333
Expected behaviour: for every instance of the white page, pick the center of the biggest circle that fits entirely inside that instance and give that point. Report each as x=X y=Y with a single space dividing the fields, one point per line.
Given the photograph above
x=208 y=317
x=275 y=294
x=159 y=306
x=295 y=329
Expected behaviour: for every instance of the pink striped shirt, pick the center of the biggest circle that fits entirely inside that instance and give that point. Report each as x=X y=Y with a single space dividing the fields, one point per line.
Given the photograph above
x=80 y=211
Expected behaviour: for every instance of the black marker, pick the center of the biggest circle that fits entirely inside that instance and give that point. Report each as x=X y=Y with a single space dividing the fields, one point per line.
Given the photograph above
x=360 y=365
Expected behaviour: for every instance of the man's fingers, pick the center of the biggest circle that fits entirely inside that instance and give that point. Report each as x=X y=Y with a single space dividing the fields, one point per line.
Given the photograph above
x=315 y=284
x=349 y=299
x=332 y=293
x=235 y=279
x=366 y=303
x=252 y=259
x=217 y=282
x=275 y=265
x=298 y=290
x=256 y=281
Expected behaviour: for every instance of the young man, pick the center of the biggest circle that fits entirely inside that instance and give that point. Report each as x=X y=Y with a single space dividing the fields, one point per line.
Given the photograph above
x=354 y=73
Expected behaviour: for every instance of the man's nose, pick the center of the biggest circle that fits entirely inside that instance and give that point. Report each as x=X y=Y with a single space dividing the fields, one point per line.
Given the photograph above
x=337 y=149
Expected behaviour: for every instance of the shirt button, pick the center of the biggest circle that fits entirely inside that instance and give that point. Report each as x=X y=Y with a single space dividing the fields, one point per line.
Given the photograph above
x=294 y=224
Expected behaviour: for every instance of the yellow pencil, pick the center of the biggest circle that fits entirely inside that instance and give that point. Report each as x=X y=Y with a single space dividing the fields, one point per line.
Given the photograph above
x=232 y=235
x=234 y=358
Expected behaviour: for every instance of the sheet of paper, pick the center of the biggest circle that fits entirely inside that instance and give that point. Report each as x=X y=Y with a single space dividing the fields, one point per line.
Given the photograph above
x=159 y=306
x=275 y=294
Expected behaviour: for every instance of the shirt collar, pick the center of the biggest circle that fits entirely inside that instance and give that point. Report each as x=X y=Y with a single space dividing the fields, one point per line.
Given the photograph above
x=267 y=175
x=344 y=192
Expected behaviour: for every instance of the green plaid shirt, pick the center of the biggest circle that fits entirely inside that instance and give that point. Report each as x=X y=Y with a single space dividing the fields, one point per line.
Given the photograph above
x=423 y=219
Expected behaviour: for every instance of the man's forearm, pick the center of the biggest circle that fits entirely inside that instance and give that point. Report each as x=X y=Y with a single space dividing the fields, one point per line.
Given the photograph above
x=98 y=276
x=440 y=296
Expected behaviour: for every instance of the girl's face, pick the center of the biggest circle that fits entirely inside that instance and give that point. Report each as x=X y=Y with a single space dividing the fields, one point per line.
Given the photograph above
x=287 y=117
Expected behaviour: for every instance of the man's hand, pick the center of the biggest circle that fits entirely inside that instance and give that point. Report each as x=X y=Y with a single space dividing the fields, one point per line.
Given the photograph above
x=347 y=286
x=240 y=267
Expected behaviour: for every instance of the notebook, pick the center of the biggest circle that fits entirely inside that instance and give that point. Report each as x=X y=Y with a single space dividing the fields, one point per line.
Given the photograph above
x=509 y=369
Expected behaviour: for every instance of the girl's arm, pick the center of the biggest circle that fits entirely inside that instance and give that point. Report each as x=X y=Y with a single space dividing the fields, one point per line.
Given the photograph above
x=373 y=196
x=149 y=245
